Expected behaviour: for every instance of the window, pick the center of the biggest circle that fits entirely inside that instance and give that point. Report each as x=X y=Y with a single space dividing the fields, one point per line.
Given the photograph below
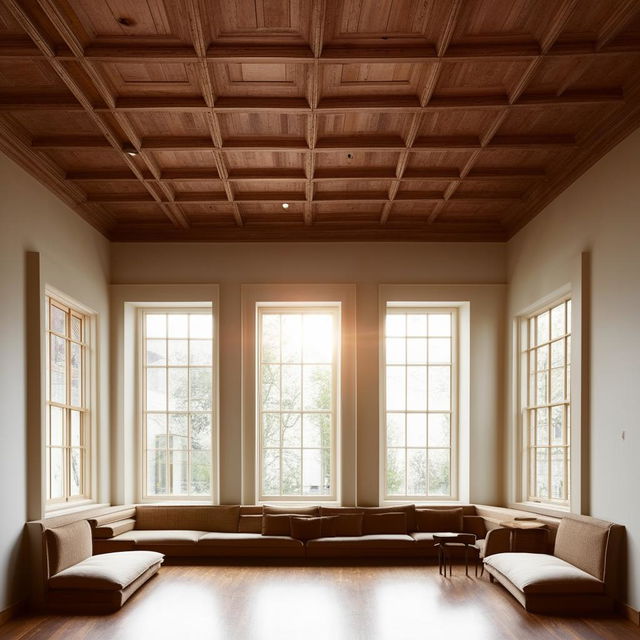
x=67 y=440
x=419 y=406
x=298 y=355
x=546 y=403
x=177 y=402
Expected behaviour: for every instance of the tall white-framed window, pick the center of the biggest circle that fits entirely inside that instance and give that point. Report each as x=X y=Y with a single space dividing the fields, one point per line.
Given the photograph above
x=420 y=402
x=298 y=382
x=68 y=438
x=177 y=402
x=546 y=403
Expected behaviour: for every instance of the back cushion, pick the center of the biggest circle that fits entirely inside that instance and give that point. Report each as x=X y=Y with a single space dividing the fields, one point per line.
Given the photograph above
x=377 y=523
x=408 y=509
x=276 y=525
x=305 y=528
x=583 y=544
x=344 y=525
x=292 y=511
x=223 y=518
x=68 y=545
x=250 y=524
x=439 y=520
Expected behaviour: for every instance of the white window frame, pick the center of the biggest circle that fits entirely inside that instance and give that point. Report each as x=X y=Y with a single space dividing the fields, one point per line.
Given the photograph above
x=87 y=410
x=300 y=308
x=422 y=307
x=528 y=457
x=174 y=308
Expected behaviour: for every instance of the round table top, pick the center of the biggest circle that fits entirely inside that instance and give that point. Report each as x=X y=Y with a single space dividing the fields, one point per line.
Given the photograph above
x=523 y=524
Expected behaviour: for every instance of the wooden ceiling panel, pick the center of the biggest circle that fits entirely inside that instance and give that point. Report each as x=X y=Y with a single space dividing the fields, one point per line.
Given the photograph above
x=479 y=78
x=371 y=21
x=393 y=78
x=260 y=80
x=376 y=119
x=258 y=21
x=131 y=80
x=262 y=125
x=117 y=20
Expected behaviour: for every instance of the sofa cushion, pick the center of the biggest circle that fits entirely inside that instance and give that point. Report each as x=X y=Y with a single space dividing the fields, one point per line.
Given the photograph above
x=539 y=573
x=582 y=542
x=395 y=523
x=250 y=523
x=339 y=511
x=196 y=518
x=292 y=511
x=114 y=515
x=68 y=545
x=361 y=546
x=408 y=509
x=346 y=524
x=303 y=528
x=104 y=531
x=106 y=572
x=163 y=536
x=439 y=520
x=276 y=525
x=249 y=541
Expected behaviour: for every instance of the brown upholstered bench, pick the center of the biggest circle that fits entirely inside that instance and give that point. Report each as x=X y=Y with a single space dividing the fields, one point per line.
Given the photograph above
x=80 y=582
x=582 y=577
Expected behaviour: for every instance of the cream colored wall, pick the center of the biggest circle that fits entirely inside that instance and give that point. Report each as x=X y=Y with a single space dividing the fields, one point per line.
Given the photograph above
x=75 y=260
x=600 y=214
x=366 y=265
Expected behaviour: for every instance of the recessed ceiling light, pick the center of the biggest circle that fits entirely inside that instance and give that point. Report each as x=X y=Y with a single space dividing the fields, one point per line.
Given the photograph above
x=285 y=205
x=130 y=150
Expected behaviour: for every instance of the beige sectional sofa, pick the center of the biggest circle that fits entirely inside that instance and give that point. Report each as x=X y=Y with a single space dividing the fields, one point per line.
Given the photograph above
x=237 y=532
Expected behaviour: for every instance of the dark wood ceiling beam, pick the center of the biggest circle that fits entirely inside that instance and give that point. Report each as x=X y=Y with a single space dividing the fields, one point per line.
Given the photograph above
x=265 y=54
x=618 y=20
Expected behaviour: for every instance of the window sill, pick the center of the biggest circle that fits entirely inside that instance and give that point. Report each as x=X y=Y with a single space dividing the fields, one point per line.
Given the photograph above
x=541 y=509
x=52 y=512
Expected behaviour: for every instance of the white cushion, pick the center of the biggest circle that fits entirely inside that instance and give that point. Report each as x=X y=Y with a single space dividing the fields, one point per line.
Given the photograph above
x=161 y=536
x=542 y=573
x=107 y=571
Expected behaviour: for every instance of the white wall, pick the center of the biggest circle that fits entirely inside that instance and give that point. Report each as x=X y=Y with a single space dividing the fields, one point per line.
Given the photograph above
x=75 y=260
x=366 y=265
x=600 y=214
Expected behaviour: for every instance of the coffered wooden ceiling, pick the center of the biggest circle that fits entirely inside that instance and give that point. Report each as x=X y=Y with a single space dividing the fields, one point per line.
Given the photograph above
x=372 y=119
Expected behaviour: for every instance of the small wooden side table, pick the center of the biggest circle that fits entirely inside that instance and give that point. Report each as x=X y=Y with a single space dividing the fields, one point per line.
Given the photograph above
x=527 y=536
x=445 y=542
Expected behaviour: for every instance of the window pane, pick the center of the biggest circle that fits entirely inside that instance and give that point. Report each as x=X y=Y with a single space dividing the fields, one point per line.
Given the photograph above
x=439 y=350
x=396 y=325
x=557 y=353
x=416 y=351
x=178 y=352
x=201 y=431
x=200 y=389
x=156 y=430
x=270 y=338
x=178 y=389
x=179 y=424
x=58 y=320
x=543 y=327
x=156 y=325
x=557 y=321
x=292 y=387
x=291 y=430
x=395 y=429
x=416 y=472
x=416 y=324
x=178 y=325
x=201 y=325
x=76 y=328
x=557 y=473
x=396 y=472
x=291 y=344
x=312 y=472
x=156 y=390
x=270 y=387
x=396 y=388
x=318 y=338
x=179 y=473
x=76 y=473
x=56 y=472
x=56 y=426
x=396 y=351
x=416 y=430
x=75 y=429
x=439 y=430
x=58 y=369
x=271 y=472
x=312 y=432
x=557 y=385
x=556 y=425
x=542 y=427
x=201 y=473
x=542 y=358
x=439 y=472
x=200 y=352
x=156 y=472
x=317 y=387
x=270 y=429
x=542 y=473
x=291 y=472
x=156 y=352
x=76 y=375
x=440 y=325
x=439 y=388
x=416 y=388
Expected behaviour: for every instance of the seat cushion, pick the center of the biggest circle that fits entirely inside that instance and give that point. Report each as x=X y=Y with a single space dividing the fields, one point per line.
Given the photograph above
x=539 y=573
x=249 y=541
x=361 y=546
x=106 y=572
x=164 y=536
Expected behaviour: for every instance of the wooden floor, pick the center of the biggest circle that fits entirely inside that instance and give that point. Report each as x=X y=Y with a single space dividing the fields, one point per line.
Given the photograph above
x=323 y=603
